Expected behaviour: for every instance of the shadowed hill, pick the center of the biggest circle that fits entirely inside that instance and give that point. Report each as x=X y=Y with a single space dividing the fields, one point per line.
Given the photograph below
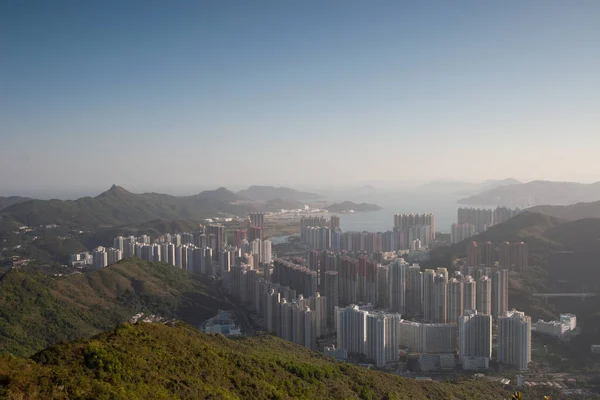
x=583 y=234
x=523 y=225
x=544 y=234
x=572 y=212
x=38 y=310
x=527 y=227
x=156 y=361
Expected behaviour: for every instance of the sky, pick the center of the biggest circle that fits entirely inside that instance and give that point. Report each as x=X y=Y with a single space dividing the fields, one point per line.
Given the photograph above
x=156 y=94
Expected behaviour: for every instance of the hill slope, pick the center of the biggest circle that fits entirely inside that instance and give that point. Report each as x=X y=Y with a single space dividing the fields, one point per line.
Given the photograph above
x=38 y=310
x=158 y=361
x=117 y=207
x=266 y=193
x=537 y=192
x=9 y=201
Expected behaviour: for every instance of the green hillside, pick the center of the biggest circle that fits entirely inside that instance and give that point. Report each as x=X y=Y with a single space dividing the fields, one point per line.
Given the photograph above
x=38 y=310
x=156 y=361
x=117 y=207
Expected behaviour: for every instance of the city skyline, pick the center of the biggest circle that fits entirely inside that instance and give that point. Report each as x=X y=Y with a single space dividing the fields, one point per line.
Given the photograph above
x=109 y=92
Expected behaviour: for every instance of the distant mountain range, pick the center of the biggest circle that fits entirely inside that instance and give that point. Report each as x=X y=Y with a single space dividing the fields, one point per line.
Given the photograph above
x=464 y=188
x=118 y=207
x=536 y=193
x=346 y=206
x=266 y=193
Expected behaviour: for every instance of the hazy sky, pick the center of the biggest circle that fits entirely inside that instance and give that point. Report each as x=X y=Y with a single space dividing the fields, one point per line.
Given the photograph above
x=154 y=93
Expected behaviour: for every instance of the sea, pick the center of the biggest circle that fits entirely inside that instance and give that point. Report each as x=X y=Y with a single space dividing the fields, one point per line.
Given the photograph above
x=444 y=208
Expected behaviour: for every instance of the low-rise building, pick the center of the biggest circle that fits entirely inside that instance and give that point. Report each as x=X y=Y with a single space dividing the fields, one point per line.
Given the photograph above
x=222 y=323
x=437 y=362
x=566 y=323
x=475 y=363
x=552 y=328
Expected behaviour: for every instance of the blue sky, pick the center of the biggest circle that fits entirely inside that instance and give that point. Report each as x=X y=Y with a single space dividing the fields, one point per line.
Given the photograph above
x=160 y=93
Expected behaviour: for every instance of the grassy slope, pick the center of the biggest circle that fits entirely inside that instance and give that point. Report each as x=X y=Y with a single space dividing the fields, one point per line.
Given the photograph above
x=178 y=362
x=38 y=310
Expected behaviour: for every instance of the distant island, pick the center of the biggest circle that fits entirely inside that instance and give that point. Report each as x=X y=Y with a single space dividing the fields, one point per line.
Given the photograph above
x=350 y=206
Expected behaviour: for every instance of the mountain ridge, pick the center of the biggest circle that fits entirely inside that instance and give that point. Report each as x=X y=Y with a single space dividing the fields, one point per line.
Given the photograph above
x=118 y=206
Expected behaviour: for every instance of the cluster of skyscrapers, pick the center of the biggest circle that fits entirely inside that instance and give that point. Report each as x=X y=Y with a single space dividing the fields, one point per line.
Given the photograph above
x=205 y=250
x=440 y=306
x=286 y=299
x=382 y=337
x=407 y=221
x=411 y=232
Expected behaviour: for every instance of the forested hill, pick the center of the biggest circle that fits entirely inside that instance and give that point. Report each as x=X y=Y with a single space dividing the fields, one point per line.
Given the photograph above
x=156 y=361
x=38 y=310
